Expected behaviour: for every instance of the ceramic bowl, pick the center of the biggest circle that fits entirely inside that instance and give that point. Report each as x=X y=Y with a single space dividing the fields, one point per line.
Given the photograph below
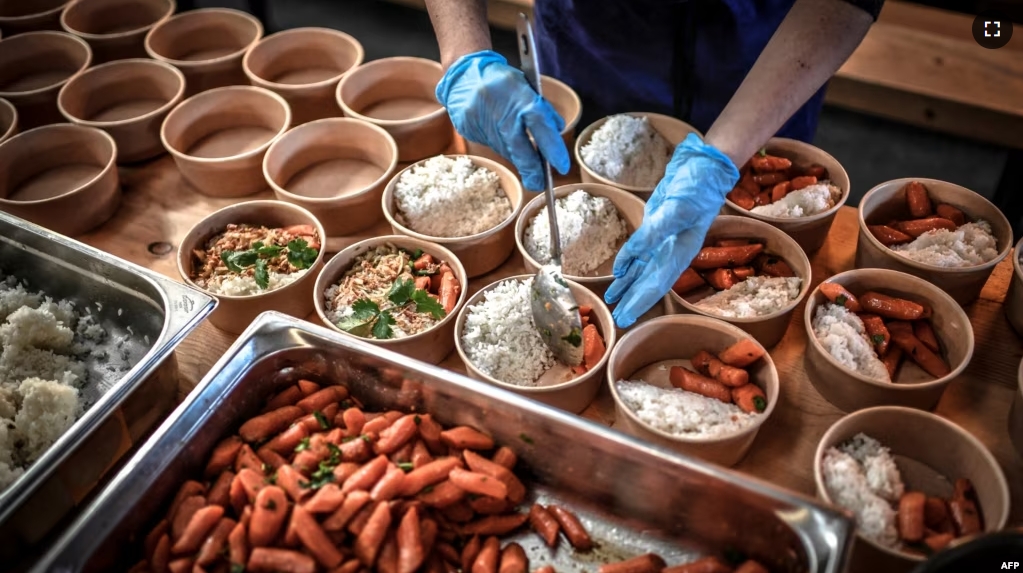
x=218 y=138
x=1016 y=414
x=8 y=120
x=431 y=346
x=337 y=168
x=129 y=99
x=887 y=201
x=810 y=232
x=931 y=453
x=1014 y=299
x=62 y=177
x=670 y=341
x=207 y=45
x=115 y=29
x=564 y=100
x=304 y=66
x=20 y=16
x=913 y=387
x=479 y=253
x=397 y=94
x=234 y=313
x=34 y=67
x=671 y=129
x=573 y=395
x=768 y=329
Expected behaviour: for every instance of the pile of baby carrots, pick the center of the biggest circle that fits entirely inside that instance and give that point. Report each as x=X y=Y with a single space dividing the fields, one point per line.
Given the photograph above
x=651 y=563
x=729 y=262
x=934 y=521
x=441 y=284
x=925 y=217
x=593 y=343
x=768 y=178
x=897 y=328
x=724 y=377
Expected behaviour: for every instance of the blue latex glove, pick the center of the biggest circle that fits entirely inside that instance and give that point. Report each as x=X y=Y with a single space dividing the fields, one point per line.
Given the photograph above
x=675 y=222
x=491 y=103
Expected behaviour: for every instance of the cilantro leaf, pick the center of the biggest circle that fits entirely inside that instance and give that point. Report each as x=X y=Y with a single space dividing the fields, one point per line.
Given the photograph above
x=303 y=445
x=262 y=274
x=365 y=308
x=267 y=252
x=321 y=419
x=878 y=338
x=418 y=253
x=236 y=261
x=360 y=323
x=427 y=305
x=841 y=299
x=406 y=467
x=401 y=291
x=762 y=152
x=759 y=403
x=300 y=254
x=237 y=568
x=382 y=327
x=575 y=338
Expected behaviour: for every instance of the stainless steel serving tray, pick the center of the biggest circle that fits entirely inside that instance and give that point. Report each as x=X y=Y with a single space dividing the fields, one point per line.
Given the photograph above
x=633 y=496
x=127 y=393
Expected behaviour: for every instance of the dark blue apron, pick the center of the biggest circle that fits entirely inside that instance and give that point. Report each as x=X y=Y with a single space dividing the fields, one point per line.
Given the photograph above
x=680 y=58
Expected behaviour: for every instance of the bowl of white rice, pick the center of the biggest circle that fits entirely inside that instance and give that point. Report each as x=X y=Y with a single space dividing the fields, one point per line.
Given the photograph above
x=286 y=286
x=496 y=338
x=760 y=305
x=629 y=151
x=866 y=457
x=594 y=221
x=959 y=261
x=840 y=360
x=804 y=215
x=647 y=406
x=464 y=203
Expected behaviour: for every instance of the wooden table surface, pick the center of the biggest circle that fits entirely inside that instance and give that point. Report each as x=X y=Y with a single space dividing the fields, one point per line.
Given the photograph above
x=158 y=206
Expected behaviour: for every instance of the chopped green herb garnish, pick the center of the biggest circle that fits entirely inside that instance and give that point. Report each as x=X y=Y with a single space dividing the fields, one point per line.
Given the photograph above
x=365 y=438
x=335 y=453
x=416 y=254
x=762 y=152
x=300 y=254
x=427 y=304
x=321 y=477
x=878 y=338
x=237 y=568
x=406 y=467
x=841 y=299
x=575 y=338
x=401 y=291
x=321 y=419
x=345 y=404
x=264 y=251
x=382 y=327
x=262 y=274
x=759 y=403
x=271 y=479
x=257 y=255
x=347 y=439
x=417 y=419
x=303 y=445
x=368 y=319
x=526 y=439
x=427 y=489
x=236 y=261
x=271 y=505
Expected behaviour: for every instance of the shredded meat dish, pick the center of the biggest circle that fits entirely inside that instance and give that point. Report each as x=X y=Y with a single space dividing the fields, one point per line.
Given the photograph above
x=208 y=263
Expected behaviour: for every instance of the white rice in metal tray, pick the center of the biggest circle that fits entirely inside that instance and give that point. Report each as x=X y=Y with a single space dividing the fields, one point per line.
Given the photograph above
x=755 y=296
x=680 y=413
x=802 y=203
x=843 y=335
x=450 y=197
x=591 y=230
x=862 y=477
x=629 y=151
x=970 y=245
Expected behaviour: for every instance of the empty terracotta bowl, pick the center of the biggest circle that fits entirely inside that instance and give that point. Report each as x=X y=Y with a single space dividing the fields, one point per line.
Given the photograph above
x=19 y=16
x=671 y=129
x=479 y=253
x=398 y=95
x=564 y=100
x=234 y=313
x=649 y=350
x=1013 y=300
x=572 y=395
x=1016 y=414
x=913 y=388
x=128 y=99
x=931 y=453
x=887 y=201
x=335 y=167
x=62 y=177
x=218 y=138
x=207 y=45
x=304 y=66
x=115 y=29
x=33 y=68
x=8 y=120
x=432 y=345
x=767 y=329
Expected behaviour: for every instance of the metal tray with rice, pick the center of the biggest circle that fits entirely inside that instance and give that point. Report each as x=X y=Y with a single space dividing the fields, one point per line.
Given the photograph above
x=675 y=506
x=121 y=363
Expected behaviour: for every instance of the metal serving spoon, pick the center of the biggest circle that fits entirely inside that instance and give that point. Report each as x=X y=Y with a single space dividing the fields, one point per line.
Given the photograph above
x=555 y=310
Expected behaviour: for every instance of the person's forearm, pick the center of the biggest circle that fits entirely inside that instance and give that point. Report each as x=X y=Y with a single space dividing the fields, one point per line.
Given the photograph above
x=461 y=27
x=812 y=42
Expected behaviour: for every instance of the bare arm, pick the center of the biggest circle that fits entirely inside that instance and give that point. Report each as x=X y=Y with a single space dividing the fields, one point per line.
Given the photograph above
x=461 y=27
x=813 y=41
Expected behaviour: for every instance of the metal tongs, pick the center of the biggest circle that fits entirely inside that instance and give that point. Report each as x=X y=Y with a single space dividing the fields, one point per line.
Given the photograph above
x=555 y=310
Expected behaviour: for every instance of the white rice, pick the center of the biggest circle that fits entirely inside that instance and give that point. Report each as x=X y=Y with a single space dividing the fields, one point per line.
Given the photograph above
x=843 y=335
x=970 y=245
x=802 y=203
x=591 y=232
x=681 y=413
x=234 y=284
x=755 y=296
x=500 y=338
x=628 y=151
x=862 y=477
x=450 y=197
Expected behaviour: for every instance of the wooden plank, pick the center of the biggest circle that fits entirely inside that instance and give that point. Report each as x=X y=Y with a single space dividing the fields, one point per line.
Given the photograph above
x=502 y=14
x=946 y=23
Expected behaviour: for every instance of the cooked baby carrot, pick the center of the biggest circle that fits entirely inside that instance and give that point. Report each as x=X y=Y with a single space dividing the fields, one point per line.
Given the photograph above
x=716 y=257
x=353 y=504
x=479 y=464
x=877 y=332
x=923 y=330
x=751 y=566
x=480 y=484
x=442 y=495
x=220 y=491
x=183 y=516
x=505 y=457
x=709 y=365
x=593 y=346
x=544 y=523
x=946 y=211
x=238 y=545
x=770 y=179
x=936 y=515
x=268 y=515
x=779 y=191
x=287 y=397
x=202 y=523
x=161 y=554
x=389 y=486
x=244 y=487
x=891 y=307
x=572 y=528
x=742 y=353
x=424 y=261
x=513 y=559
x=722 y=279
x=215 y=543
x=911 y=516
x=430 y=474
x=762 y=198
x=687 y=281
x=290 y=480
x=464 y=437
x=838 y=294
x=917 y=199
x=315 y=540
x=422 y=283
x=396 y=435
x=326 y=500
x=307 y=387
x=646 y=563
x=181 y=565
x=750 y=398
x=704 y=565
x=892 y=360
x=470 y=552
x=918 y=227
x=322 y=398
x=223 y=455
x=411 y=552
x=484 y=505
x=153 y=537
x=692 y=382
x=285 y=442
x=267 y=560
x=449 y=291
x=818 y=171
x=938 y=541
x=742 y=198
x=270 y=457
x=367 y=476
x=803 y=182
x=772 y=266
x=488 y=557
x=263 y=426
x=247 y=458
x=743 y=273
x=888 y=236
x=496 y=524
x=369 y=540
x=932 y=363
x=767 y=163
x=747 y=184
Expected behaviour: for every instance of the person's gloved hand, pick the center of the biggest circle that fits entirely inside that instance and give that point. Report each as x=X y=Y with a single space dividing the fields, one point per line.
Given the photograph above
x=675 y=222
x=491 y=103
